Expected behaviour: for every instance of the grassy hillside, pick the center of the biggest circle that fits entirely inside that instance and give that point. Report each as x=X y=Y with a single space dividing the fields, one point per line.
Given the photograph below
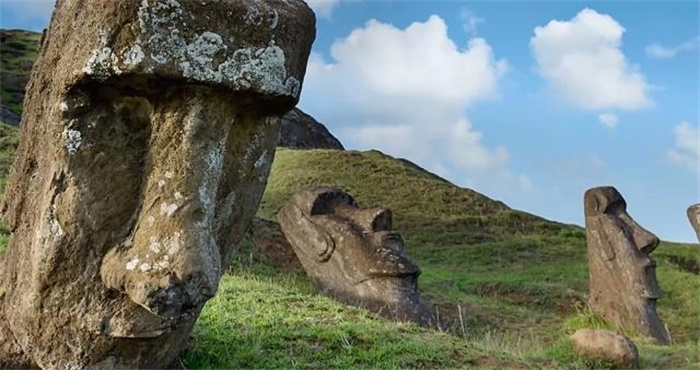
x=8 y=145
x=18 y=50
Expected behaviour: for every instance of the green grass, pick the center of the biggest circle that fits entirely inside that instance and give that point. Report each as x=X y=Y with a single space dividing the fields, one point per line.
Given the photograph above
x=18 y=51
x=264 y=323
x=8 y=145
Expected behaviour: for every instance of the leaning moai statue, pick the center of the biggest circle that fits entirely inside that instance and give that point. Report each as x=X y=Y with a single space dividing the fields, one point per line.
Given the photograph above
x=146 y=143
x=352 y=255
x=694 y=218
x=623 y=286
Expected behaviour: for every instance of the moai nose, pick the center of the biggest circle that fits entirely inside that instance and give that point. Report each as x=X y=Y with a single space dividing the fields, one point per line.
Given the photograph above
x=645 y=241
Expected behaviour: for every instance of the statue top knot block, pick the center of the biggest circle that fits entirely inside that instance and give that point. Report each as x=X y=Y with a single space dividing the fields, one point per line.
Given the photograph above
x=146 y=143
x=623 y=286
x=352 y=255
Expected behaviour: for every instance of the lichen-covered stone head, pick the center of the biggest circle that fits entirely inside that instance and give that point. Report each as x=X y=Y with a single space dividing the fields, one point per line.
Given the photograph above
x=623 y=285
x=352 y=254
x=694 y=218
x=149 y=131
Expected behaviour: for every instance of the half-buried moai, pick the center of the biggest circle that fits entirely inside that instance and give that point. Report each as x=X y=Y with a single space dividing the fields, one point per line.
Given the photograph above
x=352 y=255
x=623 y=286
x=694 y=218
x=146 y=143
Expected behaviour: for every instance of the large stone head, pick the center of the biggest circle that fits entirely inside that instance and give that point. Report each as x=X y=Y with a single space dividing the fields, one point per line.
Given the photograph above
x=146 y=144
x=623 y=285
x=694 y=218
x=351 y=253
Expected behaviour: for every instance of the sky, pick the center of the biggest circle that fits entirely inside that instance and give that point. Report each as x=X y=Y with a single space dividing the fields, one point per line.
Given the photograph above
x=530 y=103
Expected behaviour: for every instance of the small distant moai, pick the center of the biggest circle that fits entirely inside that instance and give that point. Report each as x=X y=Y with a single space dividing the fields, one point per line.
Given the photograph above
x=352 y=255
x=148 y=133
x=694 y=218
x=623 y=286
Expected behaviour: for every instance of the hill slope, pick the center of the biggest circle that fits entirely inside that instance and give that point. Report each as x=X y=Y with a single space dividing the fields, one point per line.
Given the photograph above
x=18 y=50
x=420 y=200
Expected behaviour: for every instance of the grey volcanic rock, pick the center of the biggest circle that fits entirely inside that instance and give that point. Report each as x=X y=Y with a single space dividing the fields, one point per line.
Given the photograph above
x=694 y=218
x=301 y=131
x=603 y=345
x=623 y=285
x=352 y=255
x=145 y=147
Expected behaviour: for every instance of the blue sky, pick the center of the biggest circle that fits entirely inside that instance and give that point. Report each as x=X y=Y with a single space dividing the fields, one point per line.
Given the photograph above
x=530 y=103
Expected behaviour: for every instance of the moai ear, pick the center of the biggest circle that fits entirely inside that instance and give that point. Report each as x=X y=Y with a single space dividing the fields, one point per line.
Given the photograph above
x=591 y=202
x=322 y=243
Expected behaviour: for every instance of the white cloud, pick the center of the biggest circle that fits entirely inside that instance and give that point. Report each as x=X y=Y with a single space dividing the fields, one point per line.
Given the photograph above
x=583 y=61
x=470 y=21
x=608 y=119
x=323 y=8
x=405 y=92
x=659 y=51
x=687 y=149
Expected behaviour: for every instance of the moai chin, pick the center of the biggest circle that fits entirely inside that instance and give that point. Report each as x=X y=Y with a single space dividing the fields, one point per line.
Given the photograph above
x=146 y=143
x=352 y=255
x=694 y=218
x=623 y=286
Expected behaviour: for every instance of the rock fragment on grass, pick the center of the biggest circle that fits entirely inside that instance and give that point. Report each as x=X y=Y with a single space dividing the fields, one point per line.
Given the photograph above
x=598 y=345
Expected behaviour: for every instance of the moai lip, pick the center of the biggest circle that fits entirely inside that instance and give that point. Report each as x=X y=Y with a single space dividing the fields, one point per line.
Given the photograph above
x=623 y=285
x=148 y=135
x=694 y=218
x=352 y=255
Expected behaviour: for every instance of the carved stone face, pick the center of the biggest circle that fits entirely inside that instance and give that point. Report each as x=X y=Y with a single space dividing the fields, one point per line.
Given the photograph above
x=623 y=285
x=694 y=218
x=147 y=141
x=623 y=241
x=350 y=253
x=357 y=244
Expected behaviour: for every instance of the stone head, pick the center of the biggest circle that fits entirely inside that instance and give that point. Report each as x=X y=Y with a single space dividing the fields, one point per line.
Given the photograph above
x=149 y=132
x=623 y=285
x=694 y=218
x=337 y=240
x=616 y=238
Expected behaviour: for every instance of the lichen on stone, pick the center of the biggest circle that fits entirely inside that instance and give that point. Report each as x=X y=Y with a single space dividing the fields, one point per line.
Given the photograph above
x=73 y=140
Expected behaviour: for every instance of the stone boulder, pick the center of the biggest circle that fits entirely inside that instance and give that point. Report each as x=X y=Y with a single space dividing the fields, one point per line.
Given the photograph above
x=145 y=146
x=622 y=275
x=301 y=131
x=605 y=346
x=352 y=255
x=694 y=218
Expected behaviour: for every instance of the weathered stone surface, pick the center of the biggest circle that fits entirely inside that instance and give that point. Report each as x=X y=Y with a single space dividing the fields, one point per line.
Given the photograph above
x=623 y=286
x=146 y=143
x=603 y=345
x=301 y=131
x=694 y=218
x=352 y=255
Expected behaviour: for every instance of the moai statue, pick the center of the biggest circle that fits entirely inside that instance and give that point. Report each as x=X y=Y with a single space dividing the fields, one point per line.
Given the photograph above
x=694 y=218
x=146 y=143
x=623 y=286
x=352 y=255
